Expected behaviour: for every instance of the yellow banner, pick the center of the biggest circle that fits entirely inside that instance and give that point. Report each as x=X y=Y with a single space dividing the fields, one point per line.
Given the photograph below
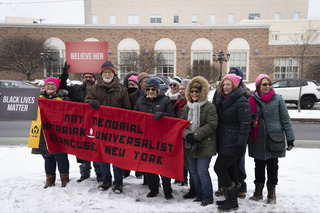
x=35 y=132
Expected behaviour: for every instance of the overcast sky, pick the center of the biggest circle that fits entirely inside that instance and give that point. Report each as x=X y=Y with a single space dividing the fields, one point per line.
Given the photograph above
x=72 y=11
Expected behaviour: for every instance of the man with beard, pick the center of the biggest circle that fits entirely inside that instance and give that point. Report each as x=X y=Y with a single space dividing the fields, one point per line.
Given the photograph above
x=78 y=93
x=109 y=92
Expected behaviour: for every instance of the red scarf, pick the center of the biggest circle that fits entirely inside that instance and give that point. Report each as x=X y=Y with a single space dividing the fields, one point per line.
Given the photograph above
x=253 y=105
x=178 y=107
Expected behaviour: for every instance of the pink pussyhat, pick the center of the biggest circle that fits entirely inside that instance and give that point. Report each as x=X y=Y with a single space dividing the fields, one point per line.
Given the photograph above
x=260 y=77
x=56 y=81
x=234 y=78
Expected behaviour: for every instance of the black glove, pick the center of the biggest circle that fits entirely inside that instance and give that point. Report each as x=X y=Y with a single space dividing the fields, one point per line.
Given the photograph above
x=240 y=150
x=65 y=71
x=289 y=145
x=158 y=115
x=94 y=104
x=196 y=148
x=190 y=139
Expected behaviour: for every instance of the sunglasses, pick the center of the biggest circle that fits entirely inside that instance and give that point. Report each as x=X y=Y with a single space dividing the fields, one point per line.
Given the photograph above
x=172 y=85
x=195 y=91
x=152 y=89
x=266 y=84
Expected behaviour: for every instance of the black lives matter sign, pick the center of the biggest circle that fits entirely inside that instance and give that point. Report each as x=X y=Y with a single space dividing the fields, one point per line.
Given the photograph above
x=19 y=103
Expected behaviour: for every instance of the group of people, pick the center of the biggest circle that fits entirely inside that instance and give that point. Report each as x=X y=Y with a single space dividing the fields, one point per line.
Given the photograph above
x=236 y=117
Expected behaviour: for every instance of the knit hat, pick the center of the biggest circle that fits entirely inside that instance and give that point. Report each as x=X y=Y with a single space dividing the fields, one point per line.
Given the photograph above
x=260 y=77
x=177 y=80
x=185 y=82
x=142 y=76
x=133 y=78
x=237 y=71
x=153 y=83
x=108 y=66
x=90 y=73
x=56 y=81
x=234 y=78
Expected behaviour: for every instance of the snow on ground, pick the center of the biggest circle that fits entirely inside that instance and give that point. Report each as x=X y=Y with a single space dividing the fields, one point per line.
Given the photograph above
x=22 y=179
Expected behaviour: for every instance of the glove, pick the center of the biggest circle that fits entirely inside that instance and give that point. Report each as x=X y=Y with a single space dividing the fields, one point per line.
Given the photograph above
x=158 y=115
x=65 y=71
x=190 y=139
x=240 y=150
x=94 y=104
x=196 y=147
x=289 y=145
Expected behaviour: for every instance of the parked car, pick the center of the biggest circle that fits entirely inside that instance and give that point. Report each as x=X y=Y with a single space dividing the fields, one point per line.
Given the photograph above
x=15 y=84
x=289 y=89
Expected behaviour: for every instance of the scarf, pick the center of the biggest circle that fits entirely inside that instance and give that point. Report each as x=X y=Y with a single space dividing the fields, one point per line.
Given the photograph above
x=178 y=106
x=254 y=110
x=172 y=96
x=194 y=114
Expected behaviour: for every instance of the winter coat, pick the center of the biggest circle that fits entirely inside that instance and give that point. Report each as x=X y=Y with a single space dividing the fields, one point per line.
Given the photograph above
x=234 y=122
x=60 y=95
x=135 y=96
x=206 y=133
x=161 y=103
x=113 y=94
x=277 y=119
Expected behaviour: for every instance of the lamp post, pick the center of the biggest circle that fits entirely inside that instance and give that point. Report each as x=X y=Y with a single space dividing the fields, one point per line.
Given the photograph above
x=47 y=58
x=221 y=58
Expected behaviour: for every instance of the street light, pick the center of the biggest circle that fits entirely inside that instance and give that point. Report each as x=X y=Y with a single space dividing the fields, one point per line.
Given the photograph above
x=221 y=58
x=47 y=58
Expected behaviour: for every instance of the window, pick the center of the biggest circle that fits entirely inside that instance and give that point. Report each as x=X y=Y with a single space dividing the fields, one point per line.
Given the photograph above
x=285 y=68
x=112 y=19
x=296 y=15
x=133 y=19
x=254 y=16
x=230 y=18
x=194 y=18
x=277 y=16
x=239 y=59
x=213 y=18
x=155 y=19
x=94 y=19
x=201 y=64
x=128 y=62
x=167 y=68
x=176 y=19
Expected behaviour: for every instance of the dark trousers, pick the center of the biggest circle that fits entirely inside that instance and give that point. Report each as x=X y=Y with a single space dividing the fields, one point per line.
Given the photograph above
x=153 y=181
x=242 y=173
x=226 y=170
x=51 y=161
x=272 y=170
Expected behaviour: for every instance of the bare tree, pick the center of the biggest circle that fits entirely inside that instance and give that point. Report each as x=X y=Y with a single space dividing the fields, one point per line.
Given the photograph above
x=21 y=54
x=303 y=42
x=313 y=71
x=211 y=72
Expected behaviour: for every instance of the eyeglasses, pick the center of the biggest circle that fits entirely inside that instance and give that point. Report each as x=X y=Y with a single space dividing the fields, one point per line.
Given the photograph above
x=152 y=89
x=50 y=85
x=266 y=84
x=195 y=91
x=173 y=85
x=88 y=77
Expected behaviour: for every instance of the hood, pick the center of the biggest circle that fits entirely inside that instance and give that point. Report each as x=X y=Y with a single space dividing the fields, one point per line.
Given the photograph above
x=204 y=88
x=238 y=72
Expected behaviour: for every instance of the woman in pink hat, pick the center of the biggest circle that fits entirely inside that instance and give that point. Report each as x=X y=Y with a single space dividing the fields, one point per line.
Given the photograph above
x=232 y=134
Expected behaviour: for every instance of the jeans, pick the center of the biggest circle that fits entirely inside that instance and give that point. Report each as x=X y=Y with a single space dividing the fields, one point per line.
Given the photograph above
x=107 y=176
x=199 y=170
x=85 y=168
x=51 y=161
x=272 y=169
x=242 y=173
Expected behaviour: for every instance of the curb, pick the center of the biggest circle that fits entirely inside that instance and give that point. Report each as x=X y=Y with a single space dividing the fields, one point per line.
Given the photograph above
x=304 y=120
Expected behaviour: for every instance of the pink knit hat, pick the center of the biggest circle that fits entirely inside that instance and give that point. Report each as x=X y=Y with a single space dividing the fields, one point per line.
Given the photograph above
x=260 y=77
x=56 y=81
x=133 y=78
x=234 y=78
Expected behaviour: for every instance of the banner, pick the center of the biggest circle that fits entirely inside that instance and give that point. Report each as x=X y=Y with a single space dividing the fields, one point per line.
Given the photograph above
x=19 y=103
x=86 y=56
x=128 y=139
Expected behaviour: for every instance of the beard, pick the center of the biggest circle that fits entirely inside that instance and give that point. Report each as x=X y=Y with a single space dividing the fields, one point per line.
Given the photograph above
x=107 y=80
x=88 y=85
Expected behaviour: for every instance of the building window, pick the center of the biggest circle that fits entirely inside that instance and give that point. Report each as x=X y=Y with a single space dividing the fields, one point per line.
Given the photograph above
x=230 y=18
x=254 y=16
x=94 y=19
x=213 y=18
x=112 y=19
x=176 y=19
x=239 y=59
x=155 y=19
x=286 y=68
x=194 y=18
x=201 y=64
x=277 y=16
x=133 y=19
x=296 y=15
x=128 y=62
x=167 y=68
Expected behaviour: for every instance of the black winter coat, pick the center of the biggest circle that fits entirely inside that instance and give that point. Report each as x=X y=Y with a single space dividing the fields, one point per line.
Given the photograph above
x=234 y=122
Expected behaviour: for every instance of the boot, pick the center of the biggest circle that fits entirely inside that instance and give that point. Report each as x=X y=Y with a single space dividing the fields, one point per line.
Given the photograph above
x=192 y=191
x=236 y=188
x=231 y=202
x=257 y=195
x=64 y=179
x=51 y=179
x=99 y=177
x=271 y=193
